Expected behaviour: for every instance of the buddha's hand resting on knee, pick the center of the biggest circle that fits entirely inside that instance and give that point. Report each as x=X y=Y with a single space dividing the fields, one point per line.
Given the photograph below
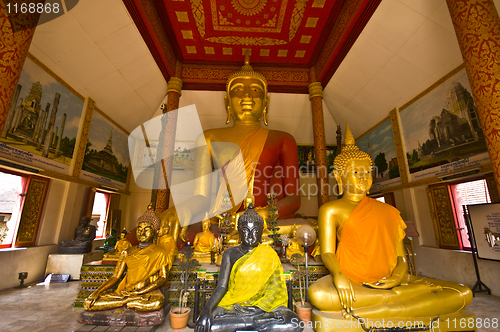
x=204 y=322
x=398 y=277
x=345 y=291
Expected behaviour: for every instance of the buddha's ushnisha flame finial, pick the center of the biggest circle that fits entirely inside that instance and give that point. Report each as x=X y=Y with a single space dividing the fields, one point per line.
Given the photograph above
x=349 y=152
x=349 y=138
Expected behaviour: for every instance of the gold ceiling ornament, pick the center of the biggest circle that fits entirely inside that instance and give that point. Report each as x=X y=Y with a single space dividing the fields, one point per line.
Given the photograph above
x=253 y=41
x=297 y=15
x=199 y=16
x=223 y=20
x=271 y=23
x=248 y=7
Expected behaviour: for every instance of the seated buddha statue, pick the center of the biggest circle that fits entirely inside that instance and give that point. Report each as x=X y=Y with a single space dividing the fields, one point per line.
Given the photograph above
x=167 y=242
x=270 y=156
x=250 y=294
x=294 y=246
x=142 y=269
x=361 y=242
x=121 y=245
x=203 y=243
x=82 y=242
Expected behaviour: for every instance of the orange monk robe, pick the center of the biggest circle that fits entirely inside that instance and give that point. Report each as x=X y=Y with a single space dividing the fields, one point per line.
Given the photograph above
x=205 y=242
x=368 y=239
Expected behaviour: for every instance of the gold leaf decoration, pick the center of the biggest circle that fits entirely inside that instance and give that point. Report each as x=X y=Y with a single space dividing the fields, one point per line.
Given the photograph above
x=199 y=16
x=297 y=15
x=223 y=20
x=254 y=41
x=271 y=23
x=248 y=7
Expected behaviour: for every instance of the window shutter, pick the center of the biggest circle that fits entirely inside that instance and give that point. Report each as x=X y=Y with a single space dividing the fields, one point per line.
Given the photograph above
x=444 y=216
x=32 y=211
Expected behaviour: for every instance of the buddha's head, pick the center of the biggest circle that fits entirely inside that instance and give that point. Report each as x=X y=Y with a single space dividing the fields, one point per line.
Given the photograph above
x=147 y=226
x=84 y=221
x=249 y=199
x=246 y=98
x=205 y=224
x=353 y=167
x=250 y=227
x=123 y=234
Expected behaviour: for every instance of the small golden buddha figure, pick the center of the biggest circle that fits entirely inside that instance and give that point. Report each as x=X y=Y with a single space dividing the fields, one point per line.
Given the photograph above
x=268 y=155
x=203 y=243
x=120 y=246
x=167 y=241
x=368 y=269
x=146 y=266
x=294 y=247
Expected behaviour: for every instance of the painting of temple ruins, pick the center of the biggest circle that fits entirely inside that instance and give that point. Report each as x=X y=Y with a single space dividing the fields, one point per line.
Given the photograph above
x=379 y=144
x=43 y=120
x=442 y=126
x=106 y=153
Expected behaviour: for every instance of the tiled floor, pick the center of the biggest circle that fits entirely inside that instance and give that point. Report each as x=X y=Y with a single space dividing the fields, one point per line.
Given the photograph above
x=50 y=309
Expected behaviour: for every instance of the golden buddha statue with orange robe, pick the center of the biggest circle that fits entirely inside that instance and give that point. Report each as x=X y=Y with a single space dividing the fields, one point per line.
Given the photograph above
x=203 y=243
x=167 y=241
x=368 y=269
x=140 y=273
x=121 y=245
x=270 y=156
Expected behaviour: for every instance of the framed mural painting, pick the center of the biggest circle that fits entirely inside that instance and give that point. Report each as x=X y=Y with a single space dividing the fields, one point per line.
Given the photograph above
x=441 y=129
x=379 y=144
x=485 y=220
x=43 y=120
x=106 y=159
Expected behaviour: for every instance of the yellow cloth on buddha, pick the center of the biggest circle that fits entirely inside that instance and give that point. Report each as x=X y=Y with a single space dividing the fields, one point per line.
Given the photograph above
x=143 y=265
x=367 y=241
x=167 y=242
x=256 y=281
x=251 y=148
x=205 y=242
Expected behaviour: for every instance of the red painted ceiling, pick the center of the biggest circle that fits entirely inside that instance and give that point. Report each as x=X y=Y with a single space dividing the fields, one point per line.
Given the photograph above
x=309 y=36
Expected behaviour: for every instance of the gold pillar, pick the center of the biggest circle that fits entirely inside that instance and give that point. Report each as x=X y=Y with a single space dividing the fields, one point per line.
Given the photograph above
x=166 y=145
x=13 y=50
x=316 y=98
x=477 y=27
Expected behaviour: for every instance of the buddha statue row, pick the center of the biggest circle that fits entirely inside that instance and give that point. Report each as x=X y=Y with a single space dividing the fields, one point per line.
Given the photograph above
x=360 y=239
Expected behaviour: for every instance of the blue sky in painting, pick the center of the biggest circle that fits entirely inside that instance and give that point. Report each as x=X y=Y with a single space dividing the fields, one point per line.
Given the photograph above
x=381 y=139
x=68 y=103
x=415 y=118
x=100 y=128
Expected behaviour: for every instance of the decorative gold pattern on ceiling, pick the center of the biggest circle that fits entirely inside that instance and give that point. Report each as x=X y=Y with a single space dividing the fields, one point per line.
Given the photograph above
x=199 y=16
x=248 y=7
x=298 y=14
x=236 y=25
x=254 y=41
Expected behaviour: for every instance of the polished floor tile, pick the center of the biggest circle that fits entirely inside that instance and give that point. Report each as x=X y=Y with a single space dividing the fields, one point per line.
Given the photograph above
x=50 y=309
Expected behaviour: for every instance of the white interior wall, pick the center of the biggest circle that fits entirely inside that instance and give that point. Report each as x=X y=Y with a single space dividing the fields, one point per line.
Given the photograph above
x=437 y=263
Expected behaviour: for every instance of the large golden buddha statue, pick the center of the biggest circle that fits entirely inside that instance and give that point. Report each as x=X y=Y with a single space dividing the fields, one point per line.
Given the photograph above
x=270 y=156
x=142 y=269
x=368 y=269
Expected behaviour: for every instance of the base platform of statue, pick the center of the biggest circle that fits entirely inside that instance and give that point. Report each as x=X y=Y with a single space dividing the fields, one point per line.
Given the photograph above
x=70 y=264
x=208 y=273
x=333 y=321
x=92 y=274
x=123 y=317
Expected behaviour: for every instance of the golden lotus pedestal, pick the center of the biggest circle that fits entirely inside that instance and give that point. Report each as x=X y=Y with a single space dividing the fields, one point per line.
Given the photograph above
x=333 y=321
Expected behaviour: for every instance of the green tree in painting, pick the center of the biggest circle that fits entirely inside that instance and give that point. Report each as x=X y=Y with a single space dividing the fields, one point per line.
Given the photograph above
x=381 y=163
